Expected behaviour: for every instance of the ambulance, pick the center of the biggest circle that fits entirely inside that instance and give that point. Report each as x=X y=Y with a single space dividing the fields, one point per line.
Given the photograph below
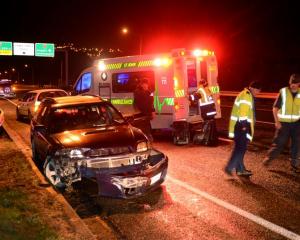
x=172 y=77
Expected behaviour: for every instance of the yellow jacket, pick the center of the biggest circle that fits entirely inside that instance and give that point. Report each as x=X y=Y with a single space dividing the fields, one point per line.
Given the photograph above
x=290 y=109
x=243 y=109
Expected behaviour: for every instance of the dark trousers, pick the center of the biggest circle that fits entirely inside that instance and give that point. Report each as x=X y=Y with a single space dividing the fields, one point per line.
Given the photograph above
x=210 y=132
x=282 y=135
x=236 y=160
x=143 y=122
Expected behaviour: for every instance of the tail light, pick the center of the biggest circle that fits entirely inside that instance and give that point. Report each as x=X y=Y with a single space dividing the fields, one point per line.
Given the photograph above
x=36 y=106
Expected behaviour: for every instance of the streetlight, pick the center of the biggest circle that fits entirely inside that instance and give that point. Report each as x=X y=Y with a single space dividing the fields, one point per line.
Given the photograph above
x=18 y=73
x=26 y=67
x=125 y=31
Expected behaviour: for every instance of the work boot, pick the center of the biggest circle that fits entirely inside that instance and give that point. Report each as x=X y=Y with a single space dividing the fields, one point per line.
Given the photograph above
x=228 y=172
x=244 y=173
x=295 y=169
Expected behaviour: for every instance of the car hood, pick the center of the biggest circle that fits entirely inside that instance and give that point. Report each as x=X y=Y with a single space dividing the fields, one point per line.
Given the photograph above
x=100 y=137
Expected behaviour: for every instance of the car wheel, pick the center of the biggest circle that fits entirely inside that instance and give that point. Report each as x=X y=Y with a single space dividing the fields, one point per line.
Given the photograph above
x=19 y=118
x=52 y=176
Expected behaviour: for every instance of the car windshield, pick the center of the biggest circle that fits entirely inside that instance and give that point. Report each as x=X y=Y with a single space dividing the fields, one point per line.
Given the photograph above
x=51 y=94
x=83 y=116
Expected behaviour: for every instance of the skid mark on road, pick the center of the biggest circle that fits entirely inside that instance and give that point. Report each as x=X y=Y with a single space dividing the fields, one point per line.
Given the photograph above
x=260 y=221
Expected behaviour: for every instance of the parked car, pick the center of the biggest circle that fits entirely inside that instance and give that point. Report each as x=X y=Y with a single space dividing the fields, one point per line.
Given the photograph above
x=28 y=105
x=84 y=137
x=6 y=89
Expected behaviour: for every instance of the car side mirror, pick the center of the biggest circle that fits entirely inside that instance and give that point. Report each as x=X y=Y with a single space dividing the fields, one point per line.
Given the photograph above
x=73 y=93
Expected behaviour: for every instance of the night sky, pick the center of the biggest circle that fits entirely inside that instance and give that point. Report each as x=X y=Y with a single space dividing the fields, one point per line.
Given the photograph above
x=252 y=39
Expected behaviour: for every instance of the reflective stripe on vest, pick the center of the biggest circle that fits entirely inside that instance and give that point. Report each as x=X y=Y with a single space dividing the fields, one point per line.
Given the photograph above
x=211 y=113
x=243 y=101
x=248 y=136
x=206 y=103
x=290 y=110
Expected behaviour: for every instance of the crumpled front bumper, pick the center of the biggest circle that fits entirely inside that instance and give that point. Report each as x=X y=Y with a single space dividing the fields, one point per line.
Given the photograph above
x=132 y=180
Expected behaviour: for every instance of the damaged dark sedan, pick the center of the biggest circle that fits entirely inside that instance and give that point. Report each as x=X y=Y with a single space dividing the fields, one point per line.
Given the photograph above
x=84 y=137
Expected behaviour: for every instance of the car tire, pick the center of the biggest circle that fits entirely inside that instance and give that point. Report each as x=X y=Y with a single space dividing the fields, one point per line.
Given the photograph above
x=52 y=175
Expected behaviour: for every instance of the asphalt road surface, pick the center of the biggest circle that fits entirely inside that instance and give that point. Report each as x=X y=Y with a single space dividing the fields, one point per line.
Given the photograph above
x=197 y=201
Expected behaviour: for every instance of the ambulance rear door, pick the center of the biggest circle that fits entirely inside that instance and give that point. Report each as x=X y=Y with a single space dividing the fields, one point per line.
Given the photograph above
x=209 y=71
x=181 y=102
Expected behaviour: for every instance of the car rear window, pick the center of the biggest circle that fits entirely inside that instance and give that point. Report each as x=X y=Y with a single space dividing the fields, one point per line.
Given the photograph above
x=51 y=94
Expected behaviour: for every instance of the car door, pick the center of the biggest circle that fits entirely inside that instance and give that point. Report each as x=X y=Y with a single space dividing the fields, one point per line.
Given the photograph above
x=41 y=135
x=23 y=103
x=30 y=104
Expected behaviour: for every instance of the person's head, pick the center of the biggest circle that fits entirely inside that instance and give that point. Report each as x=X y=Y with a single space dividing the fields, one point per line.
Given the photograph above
x=255 y=87
x=203 y=82
x=294 y=82
x=144 y=84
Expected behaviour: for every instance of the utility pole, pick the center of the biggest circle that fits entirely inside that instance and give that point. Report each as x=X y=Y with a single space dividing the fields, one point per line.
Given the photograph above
x=66 y=58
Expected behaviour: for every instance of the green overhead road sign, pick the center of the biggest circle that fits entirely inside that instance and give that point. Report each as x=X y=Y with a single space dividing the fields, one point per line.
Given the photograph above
x=6 y=48
x=44 y=49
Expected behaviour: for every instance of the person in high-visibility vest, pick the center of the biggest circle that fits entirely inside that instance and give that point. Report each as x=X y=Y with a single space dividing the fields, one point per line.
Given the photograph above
x=207 y=108
x=286 y=112
x=241 y=128
x=206 y=101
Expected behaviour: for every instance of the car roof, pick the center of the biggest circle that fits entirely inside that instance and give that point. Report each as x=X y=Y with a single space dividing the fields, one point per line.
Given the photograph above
x=46 y=90
x=74 y=100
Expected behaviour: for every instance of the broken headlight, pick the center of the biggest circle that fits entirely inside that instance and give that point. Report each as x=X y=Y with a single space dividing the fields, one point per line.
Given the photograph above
x=142 y=147
x=73 y=153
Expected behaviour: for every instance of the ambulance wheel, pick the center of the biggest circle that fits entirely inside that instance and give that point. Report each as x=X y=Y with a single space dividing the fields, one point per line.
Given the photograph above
x=178 y=141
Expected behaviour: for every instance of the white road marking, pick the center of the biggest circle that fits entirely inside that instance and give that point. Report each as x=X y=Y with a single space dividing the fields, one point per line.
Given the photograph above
x=258 y=220
x=9 y=101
